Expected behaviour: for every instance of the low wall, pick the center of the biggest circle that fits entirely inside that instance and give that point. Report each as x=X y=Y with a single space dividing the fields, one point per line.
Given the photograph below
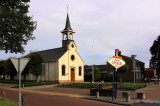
x=102 y=92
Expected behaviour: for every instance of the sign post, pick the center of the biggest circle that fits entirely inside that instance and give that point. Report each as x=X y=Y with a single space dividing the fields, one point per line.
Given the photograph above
x=116 y=62
x=113 y=84
x=19 y=64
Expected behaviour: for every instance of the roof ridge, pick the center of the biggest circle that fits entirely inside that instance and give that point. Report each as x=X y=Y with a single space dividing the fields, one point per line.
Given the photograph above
x=50 y=49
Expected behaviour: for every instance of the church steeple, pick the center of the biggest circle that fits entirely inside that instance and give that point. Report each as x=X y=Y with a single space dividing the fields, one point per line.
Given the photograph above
x=68 y=26
x=68 y=33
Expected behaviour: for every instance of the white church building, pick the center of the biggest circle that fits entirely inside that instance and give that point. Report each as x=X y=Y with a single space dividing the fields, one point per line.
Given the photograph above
x=63 y=64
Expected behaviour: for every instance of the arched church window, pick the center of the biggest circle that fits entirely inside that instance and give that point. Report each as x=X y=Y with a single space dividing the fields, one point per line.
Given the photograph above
x=80 y=71
x=63 y=70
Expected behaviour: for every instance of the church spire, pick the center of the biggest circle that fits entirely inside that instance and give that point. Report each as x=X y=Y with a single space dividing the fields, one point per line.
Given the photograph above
x=68 y=26
x=68 y=30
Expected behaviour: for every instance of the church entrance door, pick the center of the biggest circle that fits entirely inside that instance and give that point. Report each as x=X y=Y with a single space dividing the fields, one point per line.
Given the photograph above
x=72 y=75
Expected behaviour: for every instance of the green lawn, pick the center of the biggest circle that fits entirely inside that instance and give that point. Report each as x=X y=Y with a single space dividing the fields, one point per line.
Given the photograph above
x=7 y=103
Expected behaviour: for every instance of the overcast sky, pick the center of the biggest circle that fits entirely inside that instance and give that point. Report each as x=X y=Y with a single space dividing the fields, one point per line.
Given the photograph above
x=101 y=26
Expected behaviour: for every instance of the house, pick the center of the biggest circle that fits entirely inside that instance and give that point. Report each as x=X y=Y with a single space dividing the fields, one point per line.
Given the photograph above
x=102 y=68
x=149 y=73
x=88 y=68
x=129 y=75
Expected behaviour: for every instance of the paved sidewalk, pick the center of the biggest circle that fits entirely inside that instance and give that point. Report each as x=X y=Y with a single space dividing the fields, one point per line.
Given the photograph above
x=122 y=101
x=6 y=85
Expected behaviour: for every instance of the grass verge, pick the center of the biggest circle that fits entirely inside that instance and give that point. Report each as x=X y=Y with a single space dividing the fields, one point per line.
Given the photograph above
x=26 y=83
x=7 y=103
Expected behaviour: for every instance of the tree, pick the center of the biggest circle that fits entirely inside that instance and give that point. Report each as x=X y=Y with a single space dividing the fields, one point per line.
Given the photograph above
x=2 y=68
x=16 y=27
x=97 y=74
x=25 y=72
x=155 y=55
x=10 y=69
x=123 y=69
x=35 y=64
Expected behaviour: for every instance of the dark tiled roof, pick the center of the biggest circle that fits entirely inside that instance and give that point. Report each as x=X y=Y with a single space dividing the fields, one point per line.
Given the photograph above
x=131 y=59
x=52 y=54
x=99 y=66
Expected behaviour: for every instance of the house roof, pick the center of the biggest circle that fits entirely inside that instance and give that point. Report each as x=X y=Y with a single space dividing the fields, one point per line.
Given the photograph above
x=52 y=54
x=101 y=67
x=131 y=58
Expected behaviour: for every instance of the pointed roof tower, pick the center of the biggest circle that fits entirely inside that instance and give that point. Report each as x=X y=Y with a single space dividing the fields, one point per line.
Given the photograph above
x=67 y=28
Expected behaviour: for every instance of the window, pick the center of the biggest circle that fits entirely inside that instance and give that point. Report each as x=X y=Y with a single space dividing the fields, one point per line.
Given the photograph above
x=72 y=45
x=63 y=70
x=80 y=71
x=72 y=57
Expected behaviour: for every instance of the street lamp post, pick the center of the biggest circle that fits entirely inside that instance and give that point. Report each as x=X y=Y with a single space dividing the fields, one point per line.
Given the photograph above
x=133 y=58
x=92 y=67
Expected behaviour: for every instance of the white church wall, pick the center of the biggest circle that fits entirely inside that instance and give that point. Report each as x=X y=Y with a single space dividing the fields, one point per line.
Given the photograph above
x=69 y=63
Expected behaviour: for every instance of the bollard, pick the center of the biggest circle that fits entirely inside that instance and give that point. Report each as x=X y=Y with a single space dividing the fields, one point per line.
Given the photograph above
x=140 y=95
x=23 y=86
x=97 y=94
x=4 y=95
x=23 y=101
x=128 y=98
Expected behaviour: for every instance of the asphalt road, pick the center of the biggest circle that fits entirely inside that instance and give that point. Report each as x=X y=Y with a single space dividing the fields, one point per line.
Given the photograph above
x=37 y=99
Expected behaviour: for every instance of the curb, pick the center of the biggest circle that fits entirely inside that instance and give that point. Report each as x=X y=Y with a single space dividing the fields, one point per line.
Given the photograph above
x=107 y=101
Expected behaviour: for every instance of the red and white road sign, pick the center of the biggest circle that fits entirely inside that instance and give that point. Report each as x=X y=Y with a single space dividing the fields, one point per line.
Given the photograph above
x=116 y=62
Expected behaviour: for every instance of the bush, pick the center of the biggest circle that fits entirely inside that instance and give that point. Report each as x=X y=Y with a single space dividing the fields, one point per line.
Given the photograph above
x=97 y=74
x=84 y=85
x=79 y=85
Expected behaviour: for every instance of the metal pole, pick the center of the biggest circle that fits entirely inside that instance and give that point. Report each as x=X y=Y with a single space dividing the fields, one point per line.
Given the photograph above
x=19 y=81
x=92 y=66
x=113 y=86
x=116 y=54
x=116 y=76
x=134 y=72
x=42 y=72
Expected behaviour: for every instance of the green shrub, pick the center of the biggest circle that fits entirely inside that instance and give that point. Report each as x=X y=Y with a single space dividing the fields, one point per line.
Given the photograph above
x=97 y=74
x=79 y=85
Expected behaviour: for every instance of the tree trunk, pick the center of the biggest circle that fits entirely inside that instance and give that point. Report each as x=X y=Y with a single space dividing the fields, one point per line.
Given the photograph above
x=3 y=76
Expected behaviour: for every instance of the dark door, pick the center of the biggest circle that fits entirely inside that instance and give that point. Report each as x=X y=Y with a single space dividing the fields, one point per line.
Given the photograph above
x=72 y=75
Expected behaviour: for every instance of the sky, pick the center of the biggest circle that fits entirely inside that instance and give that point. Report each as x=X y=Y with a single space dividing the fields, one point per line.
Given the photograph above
x=101 y=26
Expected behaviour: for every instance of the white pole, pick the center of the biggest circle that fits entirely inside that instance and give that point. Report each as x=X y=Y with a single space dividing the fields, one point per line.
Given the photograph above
x=92 y=66
x=42 y=72
x=134 y=73
x=19 y=81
